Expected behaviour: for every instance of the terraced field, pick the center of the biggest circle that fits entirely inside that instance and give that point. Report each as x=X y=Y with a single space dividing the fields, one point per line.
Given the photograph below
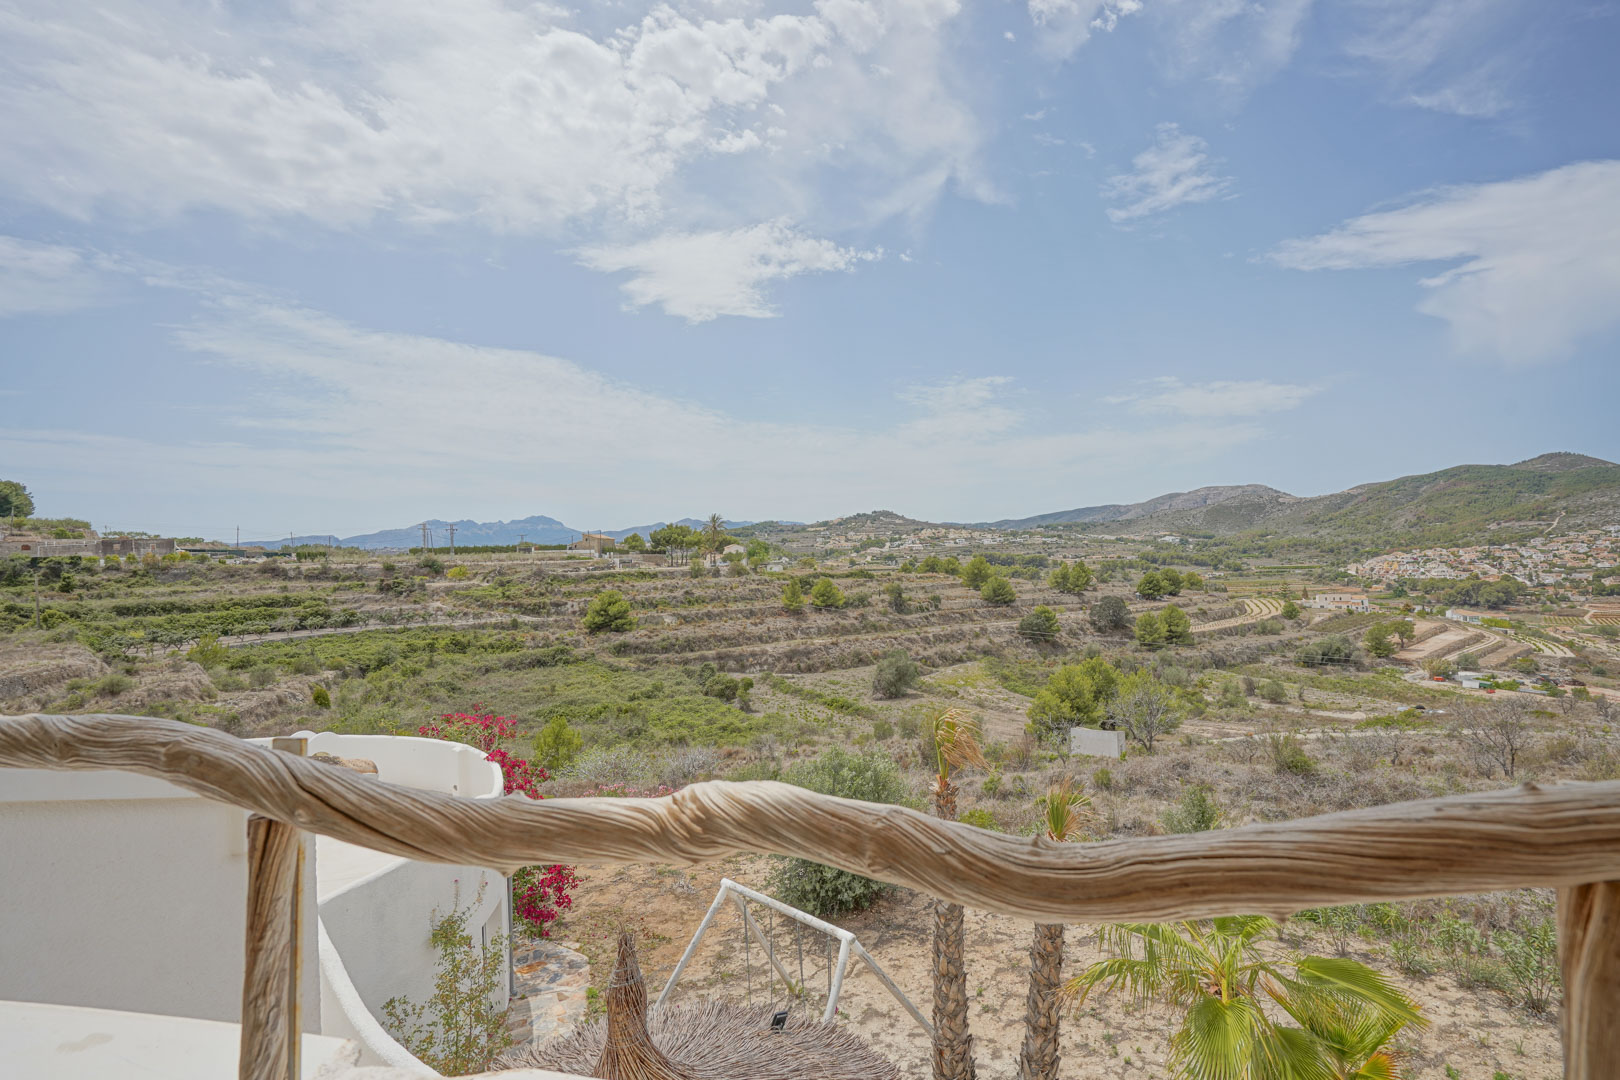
x=1255 y=609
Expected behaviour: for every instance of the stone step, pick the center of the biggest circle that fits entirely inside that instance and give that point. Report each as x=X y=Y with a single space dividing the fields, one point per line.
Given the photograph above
x=549 y=999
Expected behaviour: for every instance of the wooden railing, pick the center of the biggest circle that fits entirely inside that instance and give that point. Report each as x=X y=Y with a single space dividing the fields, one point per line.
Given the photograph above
x=1565 y=836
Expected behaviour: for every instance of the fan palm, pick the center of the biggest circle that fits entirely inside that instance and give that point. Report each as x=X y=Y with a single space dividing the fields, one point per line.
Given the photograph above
x=955 y=739
x=1345 y=1011
x=1065 y=816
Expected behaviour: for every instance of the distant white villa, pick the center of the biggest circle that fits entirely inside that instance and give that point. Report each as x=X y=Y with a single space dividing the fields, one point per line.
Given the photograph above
x=122 y=902
x=1338 y=600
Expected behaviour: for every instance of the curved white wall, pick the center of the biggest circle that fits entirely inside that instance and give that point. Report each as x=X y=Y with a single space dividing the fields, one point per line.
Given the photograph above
x=118 y=891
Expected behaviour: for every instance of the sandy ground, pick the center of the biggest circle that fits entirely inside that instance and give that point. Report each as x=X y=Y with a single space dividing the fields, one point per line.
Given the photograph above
x=1474 y=1032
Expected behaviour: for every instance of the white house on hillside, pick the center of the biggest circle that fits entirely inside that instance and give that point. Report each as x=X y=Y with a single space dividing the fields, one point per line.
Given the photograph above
x=1338 y=600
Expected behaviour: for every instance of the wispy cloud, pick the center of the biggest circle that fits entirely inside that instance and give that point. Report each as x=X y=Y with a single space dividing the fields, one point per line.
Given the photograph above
x=341 y=410
x=1168 y=395
x=1232 y=45
x=700 y=276
x=1537 y=259
x=1062 y=26
x=46 y=279
x=1174 y=171
x=509 y=119
x=1452 y=56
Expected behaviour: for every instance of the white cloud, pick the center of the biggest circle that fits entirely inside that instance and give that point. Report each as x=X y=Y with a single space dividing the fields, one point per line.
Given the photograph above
x=518 y=119
x=1062 y=26
x=370 y=421
x=699 y=276
x=1537 y=259
x=1233 y=44
x=1174 y=171
x=1168 y=395
x=1452 y=56
x=45 y=279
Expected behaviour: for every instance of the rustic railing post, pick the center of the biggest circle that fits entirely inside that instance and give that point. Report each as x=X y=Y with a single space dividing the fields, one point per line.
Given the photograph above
x=271 y=1020
x=1589 y=953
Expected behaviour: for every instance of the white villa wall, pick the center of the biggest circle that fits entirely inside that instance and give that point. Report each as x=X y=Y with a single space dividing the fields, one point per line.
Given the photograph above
x=122 y=892
x=380 y=928
x=430 y=764
x=377 y=910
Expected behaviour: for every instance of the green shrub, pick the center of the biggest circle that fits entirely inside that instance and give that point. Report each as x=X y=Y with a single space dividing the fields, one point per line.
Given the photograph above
x=1103 y=779
x=1196 y=812
x=822 y=890
x=1332 y=651
x=319 y=695
x=114 y=684
x=979 y=818
x=998 y=591
x=895 y=675
x=556 y=744
x=1531 y=959
x=1040 y=626
x=1271 y=690
x=1288 y=756
x=458 y=1030
x=609 y=610
x=826 y=594
x=882 y=730
x=208 y=651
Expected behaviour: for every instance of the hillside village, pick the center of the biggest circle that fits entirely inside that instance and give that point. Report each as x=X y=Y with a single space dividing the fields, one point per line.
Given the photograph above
x=1573 y=561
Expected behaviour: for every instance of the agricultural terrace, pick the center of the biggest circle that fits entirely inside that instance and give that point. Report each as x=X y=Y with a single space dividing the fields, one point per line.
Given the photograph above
x=647 y=679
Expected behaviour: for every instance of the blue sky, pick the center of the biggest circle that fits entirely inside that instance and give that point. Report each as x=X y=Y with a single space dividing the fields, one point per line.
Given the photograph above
x=331 y=268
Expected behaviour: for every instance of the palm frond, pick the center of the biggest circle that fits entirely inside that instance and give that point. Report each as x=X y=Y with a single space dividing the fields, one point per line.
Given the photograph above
x=956 y=740
x=1285 y=1053
x=1217 y=1040
x=1067 y=811
x=1352 y=983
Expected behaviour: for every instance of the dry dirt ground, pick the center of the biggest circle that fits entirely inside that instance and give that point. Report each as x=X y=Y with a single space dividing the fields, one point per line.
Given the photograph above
x=1476 y=1033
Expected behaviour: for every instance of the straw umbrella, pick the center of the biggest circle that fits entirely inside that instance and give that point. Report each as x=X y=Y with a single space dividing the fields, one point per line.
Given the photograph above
x=699 y=1040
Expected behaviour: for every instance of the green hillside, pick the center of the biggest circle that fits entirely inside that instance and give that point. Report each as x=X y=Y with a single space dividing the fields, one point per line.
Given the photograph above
x=1459 y=505
x=1464 y=503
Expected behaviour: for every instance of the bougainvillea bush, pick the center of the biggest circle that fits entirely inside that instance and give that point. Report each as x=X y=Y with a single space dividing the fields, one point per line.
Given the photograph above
x=539 y=893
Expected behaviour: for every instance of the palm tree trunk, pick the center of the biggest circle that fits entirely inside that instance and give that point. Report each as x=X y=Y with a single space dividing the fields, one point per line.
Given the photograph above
x=953 y=1046
x=1039 y=1058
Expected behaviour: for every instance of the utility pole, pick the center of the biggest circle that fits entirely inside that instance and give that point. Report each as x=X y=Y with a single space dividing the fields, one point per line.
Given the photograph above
x=452 y=529
x=424 y=538
x=238 y=543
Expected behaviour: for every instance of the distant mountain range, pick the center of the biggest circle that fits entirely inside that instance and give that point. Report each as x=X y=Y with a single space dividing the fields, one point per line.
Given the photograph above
x=538 y=529
x=1449 y=506
x=1438 y=507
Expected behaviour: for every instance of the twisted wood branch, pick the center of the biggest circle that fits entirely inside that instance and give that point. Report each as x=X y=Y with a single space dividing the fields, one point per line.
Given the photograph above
x=1562 y=835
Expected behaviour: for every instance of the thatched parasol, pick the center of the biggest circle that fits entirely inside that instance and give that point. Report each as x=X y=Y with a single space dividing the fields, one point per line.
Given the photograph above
x=699 y=1040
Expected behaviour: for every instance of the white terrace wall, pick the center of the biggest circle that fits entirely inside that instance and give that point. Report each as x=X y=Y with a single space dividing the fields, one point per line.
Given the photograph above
x=377 y=910
x=119 y=891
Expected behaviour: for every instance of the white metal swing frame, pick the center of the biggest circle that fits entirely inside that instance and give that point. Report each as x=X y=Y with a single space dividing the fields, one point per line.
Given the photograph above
x=848 y=945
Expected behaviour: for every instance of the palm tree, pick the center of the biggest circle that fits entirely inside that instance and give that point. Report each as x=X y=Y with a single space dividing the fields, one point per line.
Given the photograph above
x=714 y=533
x=1067 y=812
x=1345 y=1011
x=956 y=745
